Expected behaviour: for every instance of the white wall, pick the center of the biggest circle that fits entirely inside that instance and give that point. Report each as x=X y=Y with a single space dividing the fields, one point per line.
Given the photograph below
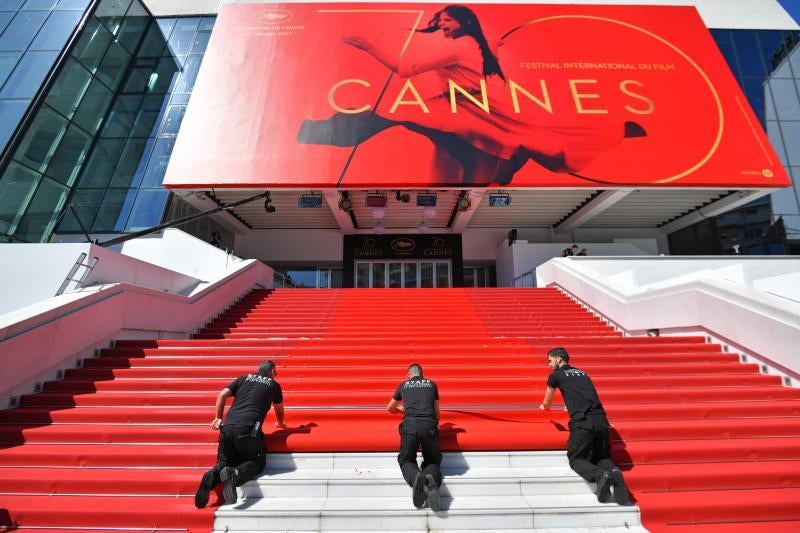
x=311 y=246
x=721 y=295
x=733 y=14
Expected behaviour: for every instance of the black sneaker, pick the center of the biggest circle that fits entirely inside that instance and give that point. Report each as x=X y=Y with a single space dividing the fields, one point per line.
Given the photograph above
x=418 y=491
x=621 y=493
x=604 y=481
x=432 y=493
x=229 y=479
x=206 y=484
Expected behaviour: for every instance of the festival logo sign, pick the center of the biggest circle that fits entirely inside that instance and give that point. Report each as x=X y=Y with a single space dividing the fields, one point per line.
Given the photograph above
x=416 y=95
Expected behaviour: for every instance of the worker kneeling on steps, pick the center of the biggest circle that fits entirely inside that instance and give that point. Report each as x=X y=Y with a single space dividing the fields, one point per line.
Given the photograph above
x=240 y=454
x=418 y=399
x=589 y=447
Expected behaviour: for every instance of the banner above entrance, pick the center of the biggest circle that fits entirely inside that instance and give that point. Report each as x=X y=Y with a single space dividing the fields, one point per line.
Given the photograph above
x=416 y=95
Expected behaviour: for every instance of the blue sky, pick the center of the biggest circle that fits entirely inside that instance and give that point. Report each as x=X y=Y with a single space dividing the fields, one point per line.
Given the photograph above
x=793 y=7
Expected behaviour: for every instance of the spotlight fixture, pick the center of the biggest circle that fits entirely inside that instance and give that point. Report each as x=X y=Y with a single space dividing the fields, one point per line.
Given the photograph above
x=428 y=212
x=423 y=227
x=268 y=207
x=345 y=204
x=463 y=203
x=378 y=212
x=379 y=228
x=376 y=200
x=426 y=199
x=402 y=197
x=501 y=199
x=310 y=200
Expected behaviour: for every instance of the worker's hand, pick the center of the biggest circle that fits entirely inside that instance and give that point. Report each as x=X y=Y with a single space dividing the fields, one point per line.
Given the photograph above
x=216 y=424
x=281 y=425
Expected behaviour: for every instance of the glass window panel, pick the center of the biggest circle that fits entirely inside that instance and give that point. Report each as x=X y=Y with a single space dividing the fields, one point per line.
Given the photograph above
x=32 y=5
x=138 y=79
x=149 y=210
x=378 y=275
x=21 y=30
x=11 y=112
x=787 y=102
x=11 y=5
x=776 y=140
x=111 y=12
x=303 y=276
x=125 y=175
x=122 y=116
x=146 y=121
x=93 y=107
x=101 y=164
x=56 y=31
x=16 y=188
x=200 y=42
x=114 y=210
x=92 y=44
x=5 y=18
x=324 y=278
x=85 y=202
x=73 y=4
x=180 y=41
x=769 y=104
x=189 y=75
x=173 y=121
x=426 y=275
x=154 y=175
x=180 y=98
x=41 y=139
x=114 y=65
x=395 y=275
x=164 y=77
x=68 y=89
x=726 y=47
x=791 y=139
x=410 y=275
x=442 y=275
x=133 y=28
x=362 y=275
x=8 y=60
x=336 y=278
x=771 y=42
x=754 y=91
x=28 y=75
x=155 y=41
x=207 y=23
x=481 y=279
x=469 y=277
x=69 y=156
x=42 y=211
x=750 y=58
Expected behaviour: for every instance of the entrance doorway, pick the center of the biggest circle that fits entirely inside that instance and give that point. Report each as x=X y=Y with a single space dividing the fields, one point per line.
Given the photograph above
x=403 y=274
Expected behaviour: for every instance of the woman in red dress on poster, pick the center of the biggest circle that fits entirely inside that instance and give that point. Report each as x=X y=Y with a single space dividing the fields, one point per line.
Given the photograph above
x=489 y=147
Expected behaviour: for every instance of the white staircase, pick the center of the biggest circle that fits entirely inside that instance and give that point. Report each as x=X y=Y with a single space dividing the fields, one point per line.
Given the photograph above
x=486 y=491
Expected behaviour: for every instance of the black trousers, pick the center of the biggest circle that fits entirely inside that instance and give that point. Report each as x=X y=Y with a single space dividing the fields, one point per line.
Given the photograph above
x=413 y=434
x=237 y=448
x=589 y=447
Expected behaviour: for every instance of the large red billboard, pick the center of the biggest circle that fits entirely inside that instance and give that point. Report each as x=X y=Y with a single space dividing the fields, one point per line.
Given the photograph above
x=419 y=95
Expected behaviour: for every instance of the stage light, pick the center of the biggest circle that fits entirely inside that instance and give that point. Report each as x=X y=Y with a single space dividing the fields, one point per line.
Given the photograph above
x=428 y=212
x=376 y=200
x=268 y=207
x=313 y=201
x=402 y=197
x=423 y=227
x=378 y=212
x=379 y=228
x=426 y=199
x=345 y=204
x=463 y=203
x=502 y=199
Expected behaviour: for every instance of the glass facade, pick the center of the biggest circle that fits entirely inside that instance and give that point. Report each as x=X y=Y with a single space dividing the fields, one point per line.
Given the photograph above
x=102 y=137
x=766 y=64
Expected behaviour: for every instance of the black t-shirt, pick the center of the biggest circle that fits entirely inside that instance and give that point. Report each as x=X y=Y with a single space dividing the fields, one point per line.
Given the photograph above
x=578 y=392
x=253 y=395
x=418 y=396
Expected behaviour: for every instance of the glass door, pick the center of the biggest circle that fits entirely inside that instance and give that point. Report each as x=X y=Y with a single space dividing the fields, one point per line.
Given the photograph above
x=402 y=274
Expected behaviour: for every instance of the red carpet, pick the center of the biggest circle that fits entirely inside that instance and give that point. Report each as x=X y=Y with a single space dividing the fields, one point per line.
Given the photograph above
x=709 y=444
